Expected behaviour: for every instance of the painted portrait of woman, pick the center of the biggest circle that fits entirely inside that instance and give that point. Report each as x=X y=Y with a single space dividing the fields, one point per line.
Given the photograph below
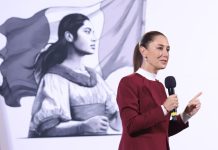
x=60 y=66
x=72 y=99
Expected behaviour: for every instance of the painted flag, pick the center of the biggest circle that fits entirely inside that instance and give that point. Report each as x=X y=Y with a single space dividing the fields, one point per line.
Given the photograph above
x=25 y=39
x=122 y=28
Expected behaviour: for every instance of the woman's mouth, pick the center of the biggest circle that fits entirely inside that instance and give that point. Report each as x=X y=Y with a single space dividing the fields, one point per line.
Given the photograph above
x=93 y=46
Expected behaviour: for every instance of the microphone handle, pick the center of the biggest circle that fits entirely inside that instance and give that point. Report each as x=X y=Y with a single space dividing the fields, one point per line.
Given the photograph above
x=171 y=91
x=174 y=114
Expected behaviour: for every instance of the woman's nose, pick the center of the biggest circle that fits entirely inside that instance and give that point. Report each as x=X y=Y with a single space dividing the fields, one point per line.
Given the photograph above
x=93 y=38
x=166 y=52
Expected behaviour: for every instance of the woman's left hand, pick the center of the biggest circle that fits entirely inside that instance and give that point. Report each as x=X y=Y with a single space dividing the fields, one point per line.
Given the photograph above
x=193 y=105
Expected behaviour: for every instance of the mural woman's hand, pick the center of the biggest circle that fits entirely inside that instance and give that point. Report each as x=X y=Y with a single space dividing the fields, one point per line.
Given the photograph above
x=95 y=125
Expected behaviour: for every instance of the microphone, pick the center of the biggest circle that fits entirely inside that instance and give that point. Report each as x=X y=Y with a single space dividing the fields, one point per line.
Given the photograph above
x=170 y=84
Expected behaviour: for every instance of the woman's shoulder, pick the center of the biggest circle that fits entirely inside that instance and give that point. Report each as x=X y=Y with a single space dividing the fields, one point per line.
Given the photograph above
x=133 y=79
x=54 y=79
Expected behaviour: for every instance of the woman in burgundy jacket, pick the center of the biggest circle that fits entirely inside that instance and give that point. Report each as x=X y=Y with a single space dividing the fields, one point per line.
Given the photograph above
x=142 y=100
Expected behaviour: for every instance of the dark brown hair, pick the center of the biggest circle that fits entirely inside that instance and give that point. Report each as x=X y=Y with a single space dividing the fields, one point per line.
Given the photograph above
x=58 y=51
x=146 y=39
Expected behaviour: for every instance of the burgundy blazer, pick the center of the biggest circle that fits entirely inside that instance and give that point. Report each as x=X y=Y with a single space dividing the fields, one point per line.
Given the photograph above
x=144 y=125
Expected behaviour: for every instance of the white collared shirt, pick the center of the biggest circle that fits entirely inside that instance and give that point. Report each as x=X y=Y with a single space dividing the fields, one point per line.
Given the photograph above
x=146 y=74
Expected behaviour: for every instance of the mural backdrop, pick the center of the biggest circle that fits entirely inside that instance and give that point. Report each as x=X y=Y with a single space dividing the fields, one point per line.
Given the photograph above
x=98 y=36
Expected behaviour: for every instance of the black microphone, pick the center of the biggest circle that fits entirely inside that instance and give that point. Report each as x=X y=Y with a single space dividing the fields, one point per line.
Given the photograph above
x=170 y=84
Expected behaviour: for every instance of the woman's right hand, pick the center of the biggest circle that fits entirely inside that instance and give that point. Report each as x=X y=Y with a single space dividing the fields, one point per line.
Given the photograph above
x=95 y=125
x=171 y=103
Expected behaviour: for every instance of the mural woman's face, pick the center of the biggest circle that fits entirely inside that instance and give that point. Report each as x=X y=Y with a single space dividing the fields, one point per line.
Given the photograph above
x=86 y=41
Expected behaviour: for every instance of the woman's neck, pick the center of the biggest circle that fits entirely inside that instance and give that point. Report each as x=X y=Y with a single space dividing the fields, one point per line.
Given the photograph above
x=74 y=62
x=149 y=69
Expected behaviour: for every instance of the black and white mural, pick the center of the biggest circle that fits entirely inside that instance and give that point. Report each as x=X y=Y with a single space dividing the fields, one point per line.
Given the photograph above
x=46 y=93
x=58 y=62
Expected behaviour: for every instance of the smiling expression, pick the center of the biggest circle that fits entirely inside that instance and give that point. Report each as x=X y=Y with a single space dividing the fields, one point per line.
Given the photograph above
x=156 y=55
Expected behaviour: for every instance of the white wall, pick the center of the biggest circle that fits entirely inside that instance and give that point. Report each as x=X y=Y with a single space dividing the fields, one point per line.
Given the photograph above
x=192 y=29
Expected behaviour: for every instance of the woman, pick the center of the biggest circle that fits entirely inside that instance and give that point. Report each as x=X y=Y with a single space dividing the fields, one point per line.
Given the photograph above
x=142 y=100
x=72 y=99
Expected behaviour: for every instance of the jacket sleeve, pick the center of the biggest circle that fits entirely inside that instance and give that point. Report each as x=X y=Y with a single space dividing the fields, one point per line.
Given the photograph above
x=177 y=126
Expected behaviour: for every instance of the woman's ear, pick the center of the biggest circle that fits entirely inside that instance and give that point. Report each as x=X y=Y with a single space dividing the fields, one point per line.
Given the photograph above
x=143 y=51
x=68 y=36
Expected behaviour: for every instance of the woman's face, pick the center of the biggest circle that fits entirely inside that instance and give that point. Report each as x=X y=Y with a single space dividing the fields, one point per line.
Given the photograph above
x=156 y=54
x=86 y=40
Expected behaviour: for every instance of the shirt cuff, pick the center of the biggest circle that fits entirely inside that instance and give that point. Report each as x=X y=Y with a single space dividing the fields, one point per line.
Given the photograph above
x=164 y=110
x=185 y=117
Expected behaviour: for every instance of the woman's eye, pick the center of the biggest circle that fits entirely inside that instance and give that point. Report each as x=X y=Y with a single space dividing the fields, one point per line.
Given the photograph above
x=160 y=48
x=88 y=31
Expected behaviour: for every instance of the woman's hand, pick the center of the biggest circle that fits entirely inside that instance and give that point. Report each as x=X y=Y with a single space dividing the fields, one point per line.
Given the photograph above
x=95 y=125
x=171 y=103
x=193 y=105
